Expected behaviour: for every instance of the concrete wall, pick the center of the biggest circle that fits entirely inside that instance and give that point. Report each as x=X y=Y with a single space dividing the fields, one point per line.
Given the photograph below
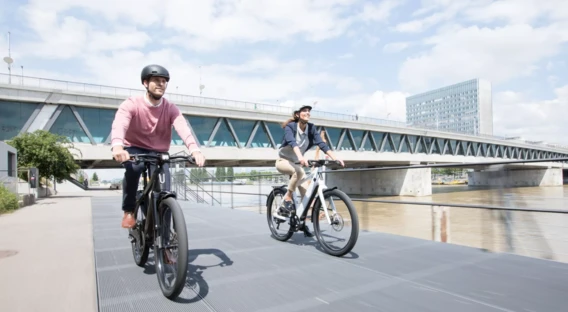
x=5 y=149
x=510 y=178
x=9 y=167
x=404 y=182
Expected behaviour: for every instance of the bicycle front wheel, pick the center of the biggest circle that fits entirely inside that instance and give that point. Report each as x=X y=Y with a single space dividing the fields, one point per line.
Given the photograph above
x=344 y=219
x=171 y=248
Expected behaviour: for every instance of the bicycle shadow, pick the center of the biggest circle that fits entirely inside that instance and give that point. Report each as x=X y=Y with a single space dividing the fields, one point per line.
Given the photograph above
x=300 y=240
x=195 y=282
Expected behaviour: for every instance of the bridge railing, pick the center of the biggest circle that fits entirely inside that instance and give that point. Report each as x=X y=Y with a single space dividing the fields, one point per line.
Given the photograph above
x=181 y=98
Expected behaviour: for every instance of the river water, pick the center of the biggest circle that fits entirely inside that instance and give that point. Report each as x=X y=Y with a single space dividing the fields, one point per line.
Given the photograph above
x=533 y=234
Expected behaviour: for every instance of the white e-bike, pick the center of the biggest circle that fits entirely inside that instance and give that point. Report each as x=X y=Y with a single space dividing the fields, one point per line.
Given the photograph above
x=332 y=212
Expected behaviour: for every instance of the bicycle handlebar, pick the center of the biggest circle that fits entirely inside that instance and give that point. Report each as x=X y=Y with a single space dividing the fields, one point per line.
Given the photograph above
x=320 y=162
x=164 y=158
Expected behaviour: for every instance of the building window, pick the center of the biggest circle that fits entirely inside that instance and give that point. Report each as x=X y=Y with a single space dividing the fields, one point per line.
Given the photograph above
x=11 y=164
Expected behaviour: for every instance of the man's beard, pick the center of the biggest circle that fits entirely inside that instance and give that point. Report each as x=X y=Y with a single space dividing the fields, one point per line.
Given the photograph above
x=154 y=96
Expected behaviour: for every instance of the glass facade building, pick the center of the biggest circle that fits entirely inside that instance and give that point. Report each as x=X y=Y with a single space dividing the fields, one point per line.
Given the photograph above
x=464 y=107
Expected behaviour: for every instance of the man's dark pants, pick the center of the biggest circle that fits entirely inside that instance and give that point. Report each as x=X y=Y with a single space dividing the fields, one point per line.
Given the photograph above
x=132 y=175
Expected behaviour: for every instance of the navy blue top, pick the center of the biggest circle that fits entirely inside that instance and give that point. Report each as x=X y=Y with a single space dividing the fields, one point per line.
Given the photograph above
x=314 y=137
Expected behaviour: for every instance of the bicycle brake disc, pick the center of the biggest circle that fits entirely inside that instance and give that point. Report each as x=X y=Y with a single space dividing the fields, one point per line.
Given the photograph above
x=337 y=222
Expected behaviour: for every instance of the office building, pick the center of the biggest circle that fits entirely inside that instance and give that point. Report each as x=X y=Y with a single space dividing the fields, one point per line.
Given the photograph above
x=464 y=107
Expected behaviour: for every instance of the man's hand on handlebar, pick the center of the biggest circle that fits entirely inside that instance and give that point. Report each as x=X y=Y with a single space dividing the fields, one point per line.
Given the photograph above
x=199 y=159
x=120 y=154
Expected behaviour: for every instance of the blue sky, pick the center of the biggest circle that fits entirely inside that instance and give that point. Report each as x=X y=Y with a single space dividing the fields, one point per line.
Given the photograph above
x=351 y=56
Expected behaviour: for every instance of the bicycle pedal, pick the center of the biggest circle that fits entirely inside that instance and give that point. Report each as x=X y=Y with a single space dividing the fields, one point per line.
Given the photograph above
x=279 y=217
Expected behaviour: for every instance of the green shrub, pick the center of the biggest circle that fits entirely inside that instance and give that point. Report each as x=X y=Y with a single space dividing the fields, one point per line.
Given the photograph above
x=8 y=200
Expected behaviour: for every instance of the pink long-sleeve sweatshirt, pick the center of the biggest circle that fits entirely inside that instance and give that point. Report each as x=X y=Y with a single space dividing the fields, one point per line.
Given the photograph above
x=139 y=123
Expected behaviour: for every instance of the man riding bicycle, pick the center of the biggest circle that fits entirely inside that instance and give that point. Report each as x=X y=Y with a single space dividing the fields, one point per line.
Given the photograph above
x=143 y=124
x=299 y=136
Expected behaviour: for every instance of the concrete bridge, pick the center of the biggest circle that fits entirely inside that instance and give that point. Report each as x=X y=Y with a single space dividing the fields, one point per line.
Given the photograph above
x=233 y=133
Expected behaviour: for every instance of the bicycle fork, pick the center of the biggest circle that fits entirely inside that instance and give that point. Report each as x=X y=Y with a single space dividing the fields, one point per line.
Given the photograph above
x=321 y=187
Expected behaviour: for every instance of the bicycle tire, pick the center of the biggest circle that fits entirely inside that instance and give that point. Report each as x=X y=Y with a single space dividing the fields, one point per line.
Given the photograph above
x=354 y=229
x=181 y=263
x=143 y=244
x=269 y=203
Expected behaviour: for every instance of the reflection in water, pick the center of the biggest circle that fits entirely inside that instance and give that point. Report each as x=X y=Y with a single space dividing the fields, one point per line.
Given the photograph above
x=534 y=234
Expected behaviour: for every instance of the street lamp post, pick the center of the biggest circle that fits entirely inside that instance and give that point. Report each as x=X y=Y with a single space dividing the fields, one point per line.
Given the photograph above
x=8 y=59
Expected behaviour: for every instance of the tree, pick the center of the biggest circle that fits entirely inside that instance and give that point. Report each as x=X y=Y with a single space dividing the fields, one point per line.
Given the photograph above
x=95 y=176
x=48 y=152
x=222 y=174
x=230 y=174
x=203 y=174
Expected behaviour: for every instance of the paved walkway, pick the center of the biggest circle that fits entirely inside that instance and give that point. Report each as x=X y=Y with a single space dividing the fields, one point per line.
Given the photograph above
x=236 y=266
x=53 y=269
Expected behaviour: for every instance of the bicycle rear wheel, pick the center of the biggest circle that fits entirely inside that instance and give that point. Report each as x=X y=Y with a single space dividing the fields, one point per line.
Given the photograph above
x=171 y=248
x=281 y=229
x=343 y=216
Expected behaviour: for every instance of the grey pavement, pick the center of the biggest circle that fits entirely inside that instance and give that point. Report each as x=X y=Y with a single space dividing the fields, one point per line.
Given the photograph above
x=236 y=266
x=72 y=255
x=46 y=256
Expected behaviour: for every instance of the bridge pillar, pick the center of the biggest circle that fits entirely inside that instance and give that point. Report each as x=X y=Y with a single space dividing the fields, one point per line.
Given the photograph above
x=398 y=182
x=520 y=177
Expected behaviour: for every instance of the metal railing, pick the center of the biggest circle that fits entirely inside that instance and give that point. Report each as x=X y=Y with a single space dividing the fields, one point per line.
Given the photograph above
x=210 y=101
x=190 y=187
x=501 y=218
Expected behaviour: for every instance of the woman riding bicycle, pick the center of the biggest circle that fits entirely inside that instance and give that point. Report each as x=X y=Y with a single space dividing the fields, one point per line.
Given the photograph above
x=299 y=136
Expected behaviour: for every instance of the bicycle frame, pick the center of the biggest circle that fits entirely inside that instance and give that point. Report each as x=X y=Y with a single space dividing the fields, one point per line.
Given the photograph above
x=152 y=193
x=318 y=184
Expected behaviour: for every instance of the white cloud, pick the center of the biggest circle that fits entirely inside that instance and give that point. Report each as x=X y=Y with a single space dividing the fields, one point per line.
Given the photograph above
x=379 y=11
x=394 y=47
x=265 y=79
x=205 y=26
x=483 y=11
x=209 y=24
x=391 y=105
x=446 y=11
x=497 y=54
x=136 y=12
x=519 y=11
x=379 y=105
x=126 y=35
x=67 y=37
x=517 y=115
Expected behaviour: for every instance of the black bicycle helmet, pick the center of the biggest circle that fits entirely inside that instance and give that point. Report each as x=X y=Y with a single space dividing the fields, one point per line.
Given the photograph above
x=154 y=71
